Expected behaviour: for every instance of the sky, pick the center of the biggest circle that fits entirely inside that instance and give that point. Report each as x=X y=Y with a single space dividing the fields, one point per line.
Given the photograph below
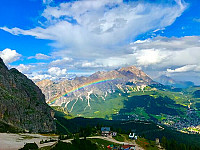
x=57 y=38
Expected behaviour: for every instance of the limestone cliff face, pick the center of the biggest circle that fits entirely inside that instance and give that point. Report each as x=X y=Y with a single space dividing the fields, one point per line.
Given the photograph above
x=22 y=103
x=121 y=79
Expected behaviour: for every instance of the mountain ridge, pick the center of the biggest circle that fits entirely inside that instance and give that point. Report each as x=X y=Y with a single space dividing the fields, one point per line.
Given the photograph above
x=118 y=80
x=166 y=80
x=22 y=103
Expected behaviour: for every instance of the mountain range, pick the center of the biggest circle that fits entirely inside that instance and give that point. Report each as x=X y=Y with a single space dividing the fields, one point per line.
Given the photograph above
x=124 y=94
x=100 y=83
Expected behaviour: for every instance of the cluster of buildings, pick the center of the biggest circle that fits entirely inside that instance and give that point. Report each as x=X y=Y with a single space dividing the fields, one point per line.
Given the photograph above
x=124 y=147
x=106 y=132
x=191 y=121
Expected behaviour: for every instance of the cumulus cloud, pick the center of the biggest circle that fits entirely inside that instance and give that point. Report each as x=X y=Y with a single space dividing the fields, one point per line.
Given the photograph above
x=166 y=52
x=38 y=76
x=109 y=63
x=39 y=71
x=185 y=68
x=24 y=68
x=149 y=57
x=53 y=73
x=177 y=57
x=171 y=55
x=159 y=53
x=39 y=56
x=9 y=55
x=56 y=71
x=87 y=29
x=61 y=62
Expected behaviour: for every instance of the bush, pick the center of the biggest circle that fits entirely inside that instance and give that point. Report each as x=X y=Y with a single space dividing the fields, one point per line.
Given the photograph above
x=76 y=145
x=30 y=146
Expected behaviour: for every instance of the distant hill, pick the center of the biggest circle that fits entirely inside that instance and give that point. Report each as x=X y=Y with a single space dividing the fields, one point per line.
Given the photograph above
x=165 y=80
x=196 y=94
x=22 y=104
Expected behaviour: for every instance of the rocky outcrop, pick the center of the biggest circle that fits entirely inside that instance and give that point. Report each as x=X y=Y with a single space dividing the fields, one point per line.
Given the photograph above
x=22 y=103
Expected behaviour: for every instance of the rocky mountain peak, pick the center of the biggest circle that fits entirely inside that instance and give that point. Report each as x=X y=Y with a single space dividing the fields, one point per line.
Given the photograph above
x=166 y=80
x=117 y=80
x=130 y=68
x=2 y=65
x=105 y=75
x=1 y=61
x=44 y=83
x=134 y=70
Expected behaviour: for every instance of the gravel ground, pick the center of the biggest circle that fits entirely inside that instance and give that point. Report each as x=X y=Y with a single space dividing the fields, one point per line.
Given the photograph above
x=10 y=141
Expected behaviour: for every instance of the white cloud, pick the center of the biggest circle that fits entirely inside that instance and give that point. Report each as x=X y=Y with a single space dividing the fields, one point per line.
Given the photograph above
x=155 y=55
x=39 y=71
x=52 y=73
x=149 y=57
x=88 y=29
x=162 y=52
x=56 y=71
x=61 y=62
x=24 y=68
x=111 y=62
x=39 y=56
x=185 y=68
x=37 y=76
x=9 y=55
x=159 y=53
x=93 y=34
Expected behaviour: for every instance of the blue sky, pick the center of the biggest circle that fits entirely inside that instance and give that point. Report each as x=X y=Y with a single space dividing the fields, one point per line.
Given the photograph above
x=52 y=38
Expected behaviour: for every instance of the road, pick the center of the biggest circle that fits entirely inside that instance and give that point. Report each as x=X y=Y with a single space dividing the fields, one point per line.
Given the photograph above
x=111 y=140
x=10 y=141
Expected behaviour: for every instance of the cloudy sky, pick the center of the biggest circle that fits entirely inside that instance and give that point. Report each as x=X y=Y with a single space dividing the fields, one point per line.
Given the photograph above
x=56 y=38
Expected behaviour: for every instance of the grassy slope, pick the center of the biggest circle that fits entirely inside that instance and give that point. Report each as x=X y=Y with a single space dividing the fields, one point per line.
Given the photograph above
x=117 y=101
x=99 y=108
